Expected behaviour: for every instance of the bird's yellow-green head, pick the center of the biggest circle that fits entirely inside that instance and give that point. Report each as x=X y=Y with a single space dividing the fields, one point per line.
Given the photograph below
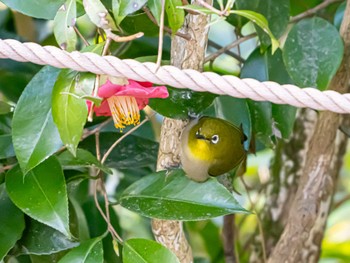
x=211 y=146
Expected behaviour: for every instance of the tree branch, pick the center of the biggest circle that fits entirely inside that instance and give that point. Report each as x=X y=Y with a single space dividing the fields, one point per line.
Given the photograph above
x=302 y=236
x=313 y=11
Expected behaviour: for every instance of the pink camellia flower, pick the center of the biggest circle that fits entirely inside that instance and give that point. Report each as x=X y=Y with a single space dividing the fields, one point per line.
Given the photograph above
x=124 y=102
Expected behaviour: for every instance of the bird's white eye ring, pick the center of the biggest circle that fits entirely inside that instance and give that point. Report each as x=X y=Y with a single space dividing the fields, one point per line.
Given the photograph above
x=215 y=139
x=198 y=132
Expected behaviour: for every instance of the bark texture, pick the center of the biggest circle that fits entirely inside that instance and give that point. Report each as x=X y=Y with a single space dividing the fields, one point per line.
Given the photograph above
x=286 y=170
x=184 y=54
x=304 y=229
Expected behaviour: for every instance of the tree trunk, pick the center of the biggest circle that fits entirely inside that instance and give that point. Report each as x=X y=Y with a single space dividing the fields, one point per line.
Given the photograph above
x=286 y=170
x=184 y=54
x=304 y=228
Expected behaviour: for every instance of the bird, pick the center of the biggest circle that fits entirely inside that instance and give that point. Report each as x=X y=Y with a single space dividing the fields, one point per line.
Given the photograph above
x=211 y=147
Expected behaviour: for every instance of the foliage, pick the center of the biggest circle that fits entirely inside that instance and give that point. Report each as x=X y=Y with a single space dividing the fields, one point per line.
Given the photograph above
x=52 y=160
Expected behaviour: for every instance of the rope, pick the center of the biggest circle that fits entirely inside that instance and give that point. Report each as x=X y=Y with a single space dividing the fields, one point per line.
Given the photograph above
x=172 y=76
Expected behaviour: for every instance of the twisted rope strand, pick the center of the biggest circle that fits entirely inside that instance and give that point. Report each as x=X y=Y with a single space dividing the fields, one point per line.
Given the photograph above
x=172 y=76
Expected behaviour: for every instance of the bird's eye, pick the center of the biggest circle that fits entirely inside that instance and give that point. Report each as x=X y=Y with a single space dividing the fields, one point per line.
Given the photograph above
x=215 y=139
x=198 y=132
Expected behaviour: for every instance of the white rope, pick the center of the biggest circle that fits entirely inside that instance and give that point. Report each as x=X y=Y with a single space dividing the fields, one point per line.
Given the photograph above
x=172 y=76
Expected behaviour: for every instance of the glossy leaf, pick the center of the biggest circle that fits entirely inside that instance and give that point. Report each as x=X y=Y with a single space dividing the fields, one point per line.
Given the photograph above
x=260 y=21
x=143 y=250
x=277 y=13
x=98 y=14
x=173 y=196
x=313 y=52
x=269 y=119
x=39 y=8
x=63 y=25
x=156 y=9
x=98 y=226
x=89 y=251
x=176 y=16
x=6 y=147
x=34 y=134
x=127 y=7
x=182 y=103
x=69 y=113
x=41 y=194
x=40 y=239
x=83 y=158
x=11 y=222
x=339 y=14
x=143 y=151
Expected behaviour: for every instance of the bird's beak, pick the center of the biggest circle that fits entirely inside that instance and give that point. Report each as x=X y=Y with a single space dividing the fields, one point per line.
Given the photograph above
x=201 y=137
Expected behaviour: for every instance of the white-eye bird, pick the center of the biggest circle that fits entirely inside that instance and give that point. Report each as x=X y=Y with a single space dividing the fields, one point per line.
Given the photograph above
x=211 y=147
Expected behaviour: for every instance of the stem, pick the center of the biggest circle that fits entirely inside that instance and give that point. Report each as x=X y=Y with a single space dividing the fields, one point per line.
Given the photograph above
x=228 y=52
x=228 y=47
x=228 y=235
x=313 y=11
x=160 y=42
x=105 y=156
x=167 y=29
x=81 y=36
x=261 y=231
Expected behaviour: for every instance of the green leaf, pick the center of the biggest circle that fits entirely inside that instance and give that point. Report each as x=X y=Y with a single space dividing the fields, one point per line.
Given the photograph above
x=41 y=194
x=260 y=21
x=182 y=103
x=277 y=13
x=143 y=151
x=98 y=226
x=127 y=7
x=139 y=250
x=313 y=52
x=176 y=16
x=34 y=134
x=89 y=251
x=199 y=9
x=39 y=8
x=99 y=15
x=69 y=113
x=40 y=239
x=11 y=222
x=83 y=158
x=63 y=25
x=276 y=119
x=339 y=14
x=173 y=196
x=6 y=147
x=156 y=9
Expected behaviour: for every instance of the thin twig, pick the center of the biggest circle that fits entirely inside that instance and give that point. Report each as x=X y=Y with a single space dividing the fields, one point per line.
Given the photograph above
x=228 y=235
x=105 y=156
x=167 y=29
x=228 y=52
x=98 y=128
x=97 y=80
x=228 y=47
x=313 y=11
x=81 y=36
x=109 y=226
x=261 y=231
x=160 y=39
x=117 y=38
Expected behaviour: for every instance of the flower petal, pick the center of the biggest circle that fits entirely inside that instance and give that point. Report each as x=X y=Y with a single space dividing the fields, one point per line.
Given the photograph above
x=141 y=103
x=108 y=89
x=103 y=109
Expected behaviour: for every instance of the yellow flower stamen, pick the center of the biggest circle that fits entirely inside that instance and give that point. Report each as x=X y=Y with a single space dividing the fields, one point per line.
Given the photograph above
x=124 y=111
